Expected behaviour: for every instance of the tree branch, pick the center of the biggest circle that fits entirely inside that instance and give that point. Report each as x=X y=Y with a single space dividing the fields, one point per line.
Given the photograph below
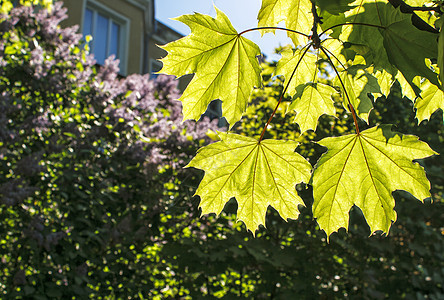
x=424 y=8
x=314 y=30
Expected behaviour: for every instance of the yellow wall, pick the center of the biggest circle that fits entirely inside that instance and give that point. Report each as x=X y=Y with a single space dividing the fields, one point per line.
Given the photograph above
x=75 y=10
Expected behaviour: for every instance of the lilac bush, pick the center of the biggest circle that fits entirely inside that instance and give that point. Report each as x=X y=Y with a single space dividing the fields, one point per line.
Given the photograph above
x=89 y=163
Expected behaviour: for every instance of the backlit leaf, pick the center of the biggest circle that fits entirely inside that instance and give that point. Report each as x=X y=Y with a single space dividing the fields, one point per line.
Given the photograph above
x=432 y=99
x=335 y=50
x=408 y=90
x=358 y=84
x=416 y=3
x=224 y=63
x=385 y=81
x=306 y=71
x=296 y=14
x=363 y=170
x=392 y=38
x=316 y=100
x=257 y=174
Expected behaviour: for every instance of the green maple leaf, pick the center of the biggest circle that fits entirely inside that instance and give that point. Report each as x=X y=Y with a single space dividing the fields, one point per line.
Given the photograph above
x=408 y=90
x=296 y=14
x=335 y=48
x=395 y=43
x=385 y=81
x=315 y=101
x=392 y=39
x=355 y=82
x=257 y=174
x=432 y=99
x=225 y=66
x=363 y=170
x=305 y=72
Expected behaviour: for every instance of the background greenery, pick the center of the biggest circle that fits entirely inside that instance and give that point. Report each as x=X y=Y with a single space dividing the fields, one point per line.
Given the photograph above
x=94 y=202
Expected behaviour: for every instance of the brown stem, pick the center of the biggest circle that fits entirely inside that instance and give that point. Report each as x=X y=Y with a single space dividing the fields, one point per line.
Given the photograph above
x=283 y=93
x=355 y=119
x=314 y=30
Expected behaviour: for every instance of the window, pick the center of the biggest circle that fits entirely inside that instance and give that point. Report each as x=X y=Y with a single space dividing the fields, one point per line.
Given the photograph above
x=214 y=111
x=108 y=32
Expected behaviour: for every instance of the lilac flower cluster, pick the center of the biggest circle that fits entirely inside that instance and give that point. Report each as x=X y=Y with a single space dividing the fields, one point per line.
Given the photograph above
x=153 y=108
x=48 y=60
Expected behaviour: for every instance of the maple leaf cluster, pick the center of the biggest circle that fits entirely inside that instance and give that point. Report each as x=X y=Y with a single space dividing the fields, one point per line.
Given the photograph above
x=369 y=45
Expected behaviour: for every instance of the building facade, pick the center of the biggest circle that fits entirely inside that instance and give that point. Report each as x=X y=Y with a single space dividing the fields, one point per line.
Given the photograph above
x=124 y=28
x=128 y=29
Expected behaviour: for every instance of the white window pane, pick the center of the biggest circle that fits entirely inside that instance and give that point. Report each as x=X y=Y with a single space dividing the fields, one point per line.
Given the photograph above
x=115 y=36
x=101 y=39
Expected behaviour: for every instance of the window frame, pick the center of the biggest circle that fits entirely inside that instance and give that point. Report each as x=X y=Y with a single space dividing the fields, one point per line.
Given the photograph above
x=115 y=18
x=154 y=63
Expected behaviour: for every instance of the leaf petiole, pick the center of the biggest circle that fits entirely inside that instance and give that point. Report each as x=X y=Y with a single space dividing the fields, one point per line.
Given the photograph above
x=350 y=106
x=352 y=23
x=284 y=91
x=276 y=28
